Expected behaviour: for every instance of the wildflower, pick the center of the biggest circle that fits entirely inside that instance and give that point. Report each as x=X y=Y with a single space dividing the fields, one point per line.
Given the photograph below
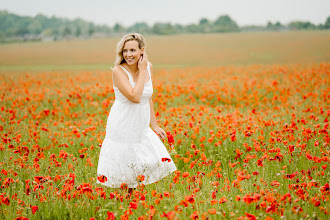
x=133 y=205
x=34 y=209
x=102 y=178
x=170 y=215
x=194 y=215
x=189 y=199
x=166 y=159
x=111 y=216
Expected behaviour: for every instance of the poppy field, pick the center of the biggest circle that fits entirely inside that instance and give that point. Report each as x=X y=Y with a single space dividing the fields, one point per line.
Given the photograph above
x=250 y=142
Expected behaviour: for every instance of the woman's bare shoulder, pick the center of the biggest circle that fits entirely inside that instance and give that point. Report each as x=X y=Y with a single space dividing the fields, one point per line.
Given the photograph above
x=119 y=73
x=115 y=68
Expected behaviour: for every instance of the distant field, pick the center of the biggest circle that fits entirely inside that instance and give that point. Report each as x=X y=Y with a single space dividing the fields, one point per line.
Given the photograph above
x=174 y=51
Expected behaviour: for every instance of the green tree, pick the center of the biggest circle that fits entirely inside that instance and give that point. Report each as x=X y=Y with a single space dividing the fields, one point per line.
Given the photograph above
x=14 y=25
x=278 y=25
x=203 y=21
x=91 y=29
x=225 y=24
x=78 y=31
x=269 y=25
x=163 y=28
x=66 y=31
x=327 y=23
x=35 y=27
x=118 y=28
x=204 y=25
x=275 y=27
x=301 y=25
x=139 y=27
x=192 y=28
x=21 y=31
x=178 y=28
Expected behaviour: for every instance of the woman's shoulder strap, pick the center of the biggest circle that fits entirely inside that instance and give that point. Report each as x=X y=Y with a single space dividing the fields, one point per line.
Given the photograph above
x=148 y=68
x=127 y=73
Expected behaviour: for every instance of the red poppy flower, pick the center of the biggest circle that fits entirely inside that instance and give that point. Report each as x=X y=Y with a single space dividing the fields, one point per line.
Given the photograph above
x=123 y=186
x=194 y=215
x=170 y=215
x=133 y=205
x=140 y=178
x=189 y=199
x=166 y=159
x=170 y=138
x=102 y=178
x=34 y=209
x=250 y=216
x=223 y=200
x=111 y=216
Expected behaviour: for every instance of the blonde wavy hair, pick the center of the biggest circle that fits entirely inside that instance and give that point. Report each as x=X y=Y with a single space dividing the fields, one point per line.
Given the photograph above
x=132 y=36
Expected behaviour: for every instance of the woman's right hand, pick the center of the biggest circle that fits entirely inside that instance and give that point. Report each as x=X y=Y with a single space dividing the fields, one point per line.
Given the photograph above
x=143 y=61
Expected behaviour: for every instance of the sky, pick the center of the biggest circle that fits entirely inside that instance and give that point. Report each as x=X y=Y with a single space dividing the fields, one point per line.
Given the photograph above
x=128 y=12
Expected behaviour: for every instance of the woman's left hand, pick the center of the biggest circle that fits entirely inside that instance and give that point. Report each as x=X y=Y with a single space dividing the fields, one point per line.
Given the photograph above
x=160 y=132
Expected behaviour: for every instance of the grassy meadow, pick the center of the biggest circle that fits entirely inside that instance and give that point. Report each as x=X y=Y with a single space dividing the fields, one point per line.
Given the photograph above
x=248 y=113
x=173 y=51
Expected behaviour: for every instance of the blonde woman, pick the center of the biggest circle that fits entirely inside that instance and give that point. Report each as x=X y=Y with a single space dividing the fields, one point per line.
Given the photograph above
x=132 y=153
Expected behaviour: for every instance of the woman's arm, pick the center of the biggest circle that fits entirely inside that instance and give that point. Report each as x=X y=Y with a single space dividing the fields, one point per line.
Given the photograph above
x=122 y=82
x=153 y=119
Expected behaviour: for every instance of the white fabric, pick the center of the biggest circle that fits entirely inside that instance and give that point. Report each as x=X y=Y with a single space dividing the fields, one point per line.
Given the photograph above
x=131 y=148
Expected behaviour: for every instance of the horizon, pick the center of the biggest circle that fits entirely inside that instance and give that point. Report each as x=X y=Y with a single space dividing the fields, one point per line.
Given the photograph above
x=71 y=19
x=259 y=12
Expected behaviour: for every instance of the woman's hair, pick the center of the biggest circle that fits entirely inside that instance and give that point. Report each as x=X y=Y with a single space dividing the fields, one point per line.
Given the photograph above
x=132 y=36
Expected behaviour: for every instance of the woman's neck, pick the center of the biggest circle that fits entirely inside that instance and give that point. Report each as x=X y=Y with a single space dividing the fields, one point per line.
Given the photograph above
x=133 y=68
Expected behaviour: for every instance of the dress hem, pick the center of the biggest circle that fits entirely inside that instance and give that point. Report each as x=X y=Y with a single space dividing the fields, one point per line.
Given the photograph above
x=135 y=185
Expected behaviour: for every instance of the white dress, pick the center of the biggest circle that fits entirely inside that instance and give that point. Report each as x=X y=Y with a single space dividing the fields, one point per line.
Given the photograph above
x=131 y=148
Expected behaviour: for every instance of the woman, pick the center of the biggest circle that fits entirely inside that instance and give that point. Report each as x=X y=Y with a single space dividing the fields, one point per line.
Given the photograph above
x=131 y=152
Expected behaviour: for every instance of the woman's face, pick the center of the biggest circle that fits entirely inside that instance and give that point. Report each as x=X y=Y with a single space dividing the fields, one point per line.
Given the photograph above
x=132 y=52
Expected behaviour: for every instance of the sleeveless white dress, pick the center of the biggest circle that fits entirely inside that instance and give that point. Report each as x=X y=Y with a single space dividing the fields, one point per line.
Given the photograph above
x=131 y=148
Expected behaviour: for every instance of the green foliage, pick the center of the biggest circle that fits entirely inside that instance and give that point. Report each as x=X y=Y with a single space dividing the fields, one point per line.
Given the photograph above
x=225 y=24
x=275 y=27
x=203 y=21
x=118 y=28
x=327 y=23
x=163 y=28
x=140 y=27
x=14 y=27
x=300 y=25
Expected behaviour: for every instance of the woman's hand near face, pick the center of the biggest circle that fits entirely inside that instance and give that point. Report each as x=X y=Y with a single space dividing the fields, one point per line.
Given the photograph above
x=143 y=61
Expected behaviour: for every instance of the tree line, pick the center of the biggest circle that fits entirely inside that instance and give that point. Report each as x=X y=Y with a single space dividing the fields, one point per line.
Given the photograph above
x=40 y=27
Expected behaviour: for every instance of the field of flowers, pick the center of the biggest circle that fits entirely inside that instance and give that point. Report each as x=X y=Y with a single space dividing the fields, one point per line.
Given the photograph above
x=249 y=142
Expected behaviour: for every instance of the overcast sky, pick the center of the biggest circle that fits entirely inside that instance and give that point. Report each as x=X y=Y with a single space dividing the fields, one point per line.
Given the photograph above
x=128 y=12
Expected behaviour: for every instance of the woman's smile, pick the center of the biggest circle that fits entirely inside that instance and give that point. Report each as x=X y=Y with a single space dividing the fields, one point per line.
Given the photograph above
x=129 y=59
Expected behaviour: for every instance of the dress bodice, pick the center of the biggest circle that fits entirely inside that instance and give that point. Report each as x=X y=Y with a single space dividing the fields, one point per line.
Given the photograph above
x=147 y=90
